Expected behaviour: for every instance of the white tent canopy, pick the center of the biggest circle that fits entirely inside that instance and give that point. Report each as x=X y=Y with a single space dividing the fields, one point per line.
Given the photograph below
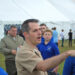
x=67 y=7
x=20 y=10
x=57 y=11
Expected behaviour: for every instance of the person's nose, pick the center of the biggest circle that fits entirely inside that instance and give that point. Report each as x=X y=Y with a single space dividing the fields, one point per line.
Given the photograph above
x=39 y=32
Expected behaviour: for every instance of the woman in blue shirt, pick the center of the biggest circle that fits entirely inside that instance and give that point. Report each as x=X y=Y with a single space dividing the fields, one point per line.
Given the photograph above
x=69 y=66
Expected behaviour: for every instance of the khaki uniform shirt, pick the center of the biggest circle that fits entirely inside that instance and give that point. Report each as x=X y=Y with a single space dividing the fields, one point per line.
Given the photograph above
x=8 y=43
x=27 y=59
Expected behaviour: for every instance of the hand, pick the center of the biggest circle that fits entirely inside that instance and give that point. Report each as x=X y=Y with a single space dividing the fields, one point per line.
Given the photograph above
x=13 y=52
x=71 y=53
x=19 y=47
x=55 y=69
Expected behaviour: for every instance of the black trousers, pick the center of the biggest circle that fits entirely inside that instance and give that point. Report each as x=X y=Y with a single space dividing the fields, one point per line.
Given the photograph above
x=10 y=67
x=62 y=42
x=70 y=43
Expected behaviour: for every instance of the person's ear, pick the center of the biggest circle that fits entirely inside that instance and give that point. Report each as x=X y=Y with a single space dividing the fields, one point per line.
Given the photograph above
x=8 y=31
x=25 y=34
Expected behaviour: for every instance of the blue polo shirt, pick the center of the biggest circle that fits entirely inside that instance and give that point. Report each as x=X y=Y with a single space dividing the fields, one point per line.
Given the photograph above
x=48 y=50
x=42 y=39
x=69 y=66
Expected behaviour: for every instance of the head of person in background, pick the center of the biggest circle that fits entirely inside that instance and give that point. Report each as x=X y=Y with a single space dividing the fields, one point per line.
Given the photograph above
x=70 y=30
x=43 y=28
x=62 y=30
x=47 y=35
x=31 y=31
x=54 y=28
x=12 y=31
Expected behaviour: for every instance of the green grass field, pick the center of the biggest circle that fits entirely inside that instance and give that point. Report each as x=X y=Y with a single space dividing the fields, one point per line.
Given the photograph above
x=62 y=49
x=2 y=63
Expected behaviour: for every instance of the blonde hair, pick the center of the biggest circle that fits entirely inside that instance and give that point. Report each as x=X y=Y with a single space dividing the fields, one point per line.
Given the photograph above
x=48 y=30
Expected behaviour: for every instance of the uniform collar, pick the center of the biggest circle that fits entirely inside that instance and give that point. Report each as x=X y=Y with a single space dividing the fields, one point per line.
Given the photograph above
x=29 y=46
x=33 y=49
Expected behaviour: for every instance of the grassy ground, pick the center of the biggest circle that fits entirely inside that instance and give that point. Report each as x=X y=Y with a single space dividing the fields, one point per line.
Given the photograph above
x=62 y=49
x=2 y=59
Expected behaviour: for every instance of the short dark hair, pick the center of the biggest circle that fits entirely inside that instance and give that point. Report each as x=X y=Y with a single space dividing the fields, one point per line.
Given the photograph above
x=42 y=24
x=12 y=26
x=25 y=25
x=70 y=30
x=62 y=30
x=54 y=28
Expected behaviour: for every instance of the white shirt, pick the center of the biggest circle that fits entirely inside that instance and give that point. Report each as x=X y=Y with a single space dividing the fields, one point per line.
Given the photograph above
x=62 y=34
